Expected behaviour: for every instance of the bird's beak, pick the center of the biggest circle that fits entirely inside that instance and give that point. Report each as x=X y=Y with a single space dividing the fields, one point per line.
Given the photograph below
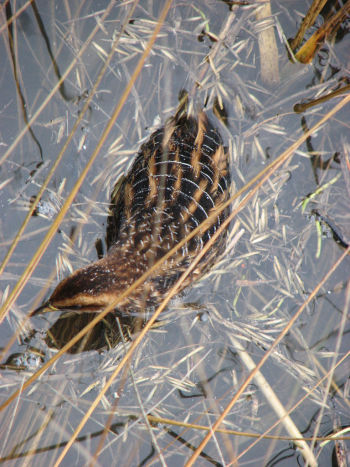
x=45 y=308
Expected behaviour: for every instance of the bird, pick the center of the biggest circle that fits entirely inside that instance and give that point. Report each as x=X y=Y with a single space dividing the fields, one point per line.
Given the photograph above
x=179 y=178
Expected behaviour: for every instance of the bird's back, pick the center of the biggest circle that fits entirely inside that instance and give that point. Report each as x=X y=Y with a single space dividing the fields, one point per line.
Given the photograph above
x=179 y=178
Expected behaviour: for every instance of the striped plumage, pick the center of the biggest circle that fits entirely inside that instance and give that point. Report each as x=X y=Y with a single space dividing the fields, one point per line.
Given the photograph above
x=178 y=179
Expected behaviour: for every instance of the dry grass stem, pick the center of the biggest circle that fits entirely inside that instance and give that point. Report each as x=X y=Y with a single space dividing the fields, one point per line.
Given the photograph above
x=86 y=86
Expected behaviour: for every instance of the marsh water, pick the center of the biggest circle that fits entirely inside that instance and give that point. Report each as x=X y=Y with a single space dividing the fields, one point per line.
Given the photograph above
x=281 y=243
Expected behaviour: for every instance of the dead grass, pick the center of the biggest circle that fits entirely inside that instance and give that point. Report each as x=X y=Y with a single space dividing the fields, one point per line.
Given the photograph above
x=264 y=304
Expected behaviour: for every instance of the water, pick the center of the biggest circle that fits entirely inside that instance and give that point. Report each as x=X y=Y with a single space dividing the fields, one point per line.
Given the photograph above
x=187 y=368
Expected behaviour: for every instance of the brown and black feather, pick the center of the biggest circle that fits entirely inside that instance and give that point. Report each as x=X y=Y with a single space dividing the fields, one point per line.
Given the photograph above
x=178 y=179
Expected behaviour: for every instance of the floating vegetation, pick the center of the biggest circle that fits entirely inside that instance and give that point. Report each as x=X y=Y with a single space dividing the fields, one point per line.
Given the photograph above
x=247 y=365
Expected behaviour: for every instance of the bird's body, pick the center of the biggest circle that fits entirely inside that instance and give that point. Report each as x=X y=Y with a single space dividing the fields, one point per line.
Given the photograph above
x=179 y=178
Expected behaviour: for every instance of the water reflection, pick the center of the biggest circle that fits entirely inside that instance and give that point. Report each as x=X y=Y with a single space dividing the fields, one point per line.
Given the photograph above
x=109 y=332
